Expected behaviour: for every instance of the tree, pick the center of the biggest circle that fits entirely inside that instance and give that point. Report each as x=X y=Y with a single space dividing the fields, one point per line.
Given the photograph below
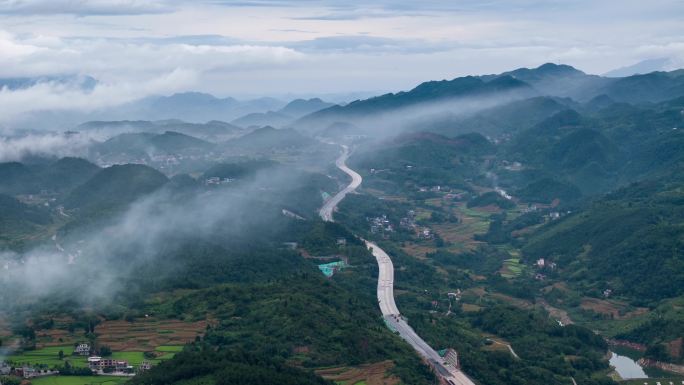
x=657 y=352
x=61 y=354
x=10 y=381
x=105 y=351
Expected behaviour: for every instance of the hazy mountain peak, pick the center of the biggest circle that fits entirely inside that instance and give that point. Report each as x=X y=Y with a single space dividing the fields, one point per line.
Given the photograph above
x=642 y=67
x=301 y=107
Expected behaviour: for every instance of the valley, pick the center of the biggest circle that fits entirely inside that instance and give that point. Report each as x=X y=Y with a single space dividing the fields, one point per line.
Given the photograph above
x=472 y=231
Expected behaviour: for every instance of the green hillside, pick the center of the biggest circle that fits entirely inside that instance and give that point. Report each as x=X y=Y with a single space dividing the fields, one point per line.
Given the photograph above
x=627 y=241
x=20 y=222
x=269 y=138
x=114 y=187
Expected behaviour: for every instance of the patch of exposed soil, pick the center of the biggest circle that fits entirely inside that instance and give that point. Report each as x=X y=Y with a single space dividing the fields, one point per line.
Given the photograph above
x=372 y=374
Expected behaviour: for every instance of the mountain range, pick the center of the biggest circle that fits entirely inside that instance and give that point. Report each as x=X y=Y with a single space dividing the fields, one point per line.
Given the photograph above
x=448 y=102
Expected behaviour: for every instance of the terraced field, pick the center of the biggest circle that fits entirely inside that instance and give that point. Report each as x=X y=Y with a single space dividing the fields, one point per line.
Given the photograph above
x=372 y=374
x=79 y=380
x=147 y=334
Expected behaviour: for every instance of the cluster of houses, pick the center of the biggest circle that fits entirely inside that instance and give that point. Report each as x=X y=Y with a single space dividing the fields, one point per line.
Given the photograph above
x=380 y=225
x=530 y=209
x=409 y=221
x=543 y=264
x=101 y=365
x=25 y=371
x=511 y=166
x=98 y=365
x=216 y=181
x=455 y=196
x=434 y=189
x=553 y=215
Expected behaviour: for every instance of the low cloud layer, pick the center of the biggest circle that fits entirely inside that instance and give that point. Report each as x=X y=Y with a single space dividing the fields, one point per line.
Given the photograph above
x=283 y=47
x=83 y=7
x=103 y=258
x=125 y=70
x=43 y=145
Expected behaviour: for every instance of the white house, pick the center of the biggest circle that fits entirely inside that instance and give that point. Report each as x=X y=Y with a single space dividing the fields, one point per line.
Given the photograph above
x=82 y=349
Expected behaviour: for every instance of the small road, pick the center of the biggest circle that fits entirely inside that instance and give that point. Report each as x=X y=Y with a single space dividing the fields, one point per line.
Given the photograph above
x=388 y=307
x=510 y=348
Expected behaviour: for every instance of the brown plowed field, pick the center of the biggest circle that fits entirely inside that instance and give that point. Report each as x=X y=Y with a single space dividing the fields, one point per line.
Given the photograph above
x=371 y=374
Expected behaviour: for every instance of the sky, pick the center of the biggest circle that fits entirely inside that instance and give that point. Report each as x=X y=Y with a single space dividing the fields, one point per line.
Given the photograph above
x=251 y=48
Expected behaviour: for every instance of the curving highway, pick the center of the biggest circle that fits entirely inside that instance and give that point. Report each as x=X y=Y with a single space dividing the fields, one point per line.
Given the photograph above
x=388 y=307
x=326 y=212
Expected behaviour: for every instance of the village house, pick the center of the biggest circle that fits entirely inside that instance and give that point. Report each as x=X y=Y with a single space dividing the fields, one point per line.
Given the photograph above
x=103 y=365
x=144 y=366
x=455 y=196
x=82 y=349
x=530 y=209
x=27 y=372
x=455 y=295
x=426 y=233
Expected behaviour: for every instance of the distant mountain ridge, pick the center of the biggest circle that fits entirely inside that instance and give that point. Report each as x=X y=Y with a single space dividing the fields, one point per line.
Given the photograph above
x=211 y=130
x=199 y=107
x=443 y=91
x=280 y=118
x=77 y=81
x=549 y=80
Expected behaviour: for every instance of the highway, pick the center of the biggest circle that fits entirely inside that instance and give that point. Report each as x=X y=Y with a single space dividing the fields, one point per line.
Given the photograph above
x=326 y=212
x=385 y=291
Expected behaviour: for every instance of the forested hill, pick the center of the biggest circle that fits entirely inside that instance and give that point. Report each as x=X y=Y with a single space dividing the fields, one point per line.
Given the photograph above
x=628 y=241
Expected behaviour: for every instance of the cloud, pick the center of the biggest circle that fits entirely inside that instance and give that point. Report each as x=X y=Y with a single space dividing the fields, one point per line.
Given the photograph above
x=53 y=96
x=130 y=59
x=105 y=256
x=269 y=47
x=47 y=144
x=125 y=69
x=369 y=44
x=83 y=7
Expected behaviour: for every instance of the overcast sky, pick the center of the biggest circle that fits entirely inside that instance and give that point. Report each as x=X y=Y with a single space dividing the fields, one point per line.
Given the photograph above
x=276 y=47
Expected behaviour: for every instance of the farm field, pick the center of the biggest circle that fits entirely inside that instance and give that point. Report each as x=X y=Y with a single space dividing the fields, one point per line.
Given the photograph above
x=511 y=268
x=372 y=374
x=164 y=352
x=79 y=380
x=147 y=334
x=48 y=356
